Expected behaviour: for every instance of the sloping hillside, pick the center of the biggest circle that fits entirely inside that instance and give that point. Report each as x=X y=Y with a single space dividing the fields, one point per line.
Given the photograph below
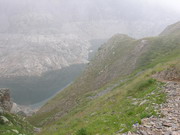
x=123 y=66
x=41 y=37
x=175 y=28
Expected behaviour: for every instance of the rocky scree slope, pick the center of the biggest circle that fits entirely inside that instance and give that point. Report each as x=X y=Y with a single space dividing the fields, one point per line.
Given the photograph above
x=121 y=57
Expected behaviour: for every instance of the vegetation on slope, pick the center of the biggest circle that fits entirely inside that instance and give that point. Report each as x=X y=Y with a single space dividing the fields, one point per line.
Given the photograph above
x=122 y=62
x=11 y=124
x=117 y=111
x=172 y=29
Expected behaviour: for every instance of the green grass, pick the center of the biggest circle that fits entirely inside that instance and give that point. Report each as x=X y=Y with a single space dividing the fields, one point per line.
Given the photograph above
x=118 y=110
x=73 y=112
x=161 y=49
x=82 y=131
x=113 y=112
x=15 y=123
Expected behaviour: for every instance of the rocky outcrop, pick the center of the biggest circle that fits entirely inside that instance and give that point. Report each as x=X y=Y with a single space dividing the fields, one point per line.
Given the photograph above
x=5 y=100
x=6 y=105
x=23 y=110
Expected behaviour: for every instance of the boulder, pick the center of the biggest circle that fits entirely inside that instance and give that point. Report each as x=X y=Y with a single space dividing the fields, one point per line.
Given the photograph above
x=5 y=99
x=15 y=131
x=3 y=120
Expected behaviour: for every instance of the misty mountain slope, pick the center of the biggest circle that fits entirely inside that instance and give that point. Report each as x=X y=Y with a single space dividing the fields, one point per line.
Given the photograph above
x=123 y=66
x=46 y=24
x=38 y=37
x=171 y=29
x=33 y=55
x=35 y=67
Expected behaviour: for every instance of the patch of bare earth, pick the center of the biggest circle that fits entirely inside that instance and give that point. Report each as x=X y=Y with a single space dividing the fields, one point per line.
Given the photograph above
x=171 y=74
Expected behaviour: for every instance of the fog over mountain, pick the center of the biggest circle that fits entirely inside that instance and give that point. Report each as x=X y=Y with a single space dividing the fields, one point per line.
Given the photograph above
x=87 y=18
x=40 y=36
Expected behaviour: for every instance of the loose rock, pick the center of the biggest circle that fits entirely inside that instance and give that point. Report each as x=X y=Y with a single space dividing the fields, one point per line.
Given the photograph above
x=169 y=124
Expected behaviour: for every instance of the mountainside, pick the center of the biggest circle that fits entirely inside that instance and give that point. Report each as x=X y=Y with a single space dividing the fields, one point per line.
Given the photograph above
x=103 y=99
x=34 y=40
x=44 y=36
x=33 y=55
x=172 y=29
x=30 y=64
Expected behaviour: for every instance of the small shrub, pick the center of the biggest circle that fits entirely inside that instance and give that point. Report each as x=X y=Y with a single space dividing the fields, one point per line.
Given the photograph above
x=145 y=84
x=1 y=122
x=82 y=131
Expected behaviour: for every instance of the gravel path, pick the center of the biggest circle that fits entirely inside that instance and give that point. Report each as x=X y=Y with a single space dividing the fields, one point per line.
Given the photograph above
x=169 y=124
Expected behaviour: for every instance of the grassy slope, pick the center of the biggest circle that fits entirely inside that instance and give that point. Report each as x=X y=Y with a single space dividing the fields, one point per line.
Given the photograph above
x=113 y=111
x=15 y=123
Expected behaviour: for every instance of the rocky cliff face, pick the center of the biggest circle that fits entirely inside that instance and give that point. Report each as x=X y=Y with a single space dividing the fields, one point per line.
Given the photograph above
x=22 y=55
x=5 y=100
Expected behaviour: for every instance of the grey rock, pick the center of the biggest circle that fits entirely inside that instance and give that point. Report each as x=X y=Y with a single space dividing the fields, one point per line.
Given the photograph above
x=15 y=131
x=5 y=99
x=37 y=130
x=168 y=133
x=143 y=102
x=167 y=124
x=4 y=120
x=143 y=133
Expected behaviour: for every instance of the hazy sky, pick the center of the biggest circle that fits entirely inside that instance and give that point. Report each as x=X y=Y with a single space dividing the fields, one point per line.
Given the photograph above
x=37 y=15
x=167 y=4
x=84 y=5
